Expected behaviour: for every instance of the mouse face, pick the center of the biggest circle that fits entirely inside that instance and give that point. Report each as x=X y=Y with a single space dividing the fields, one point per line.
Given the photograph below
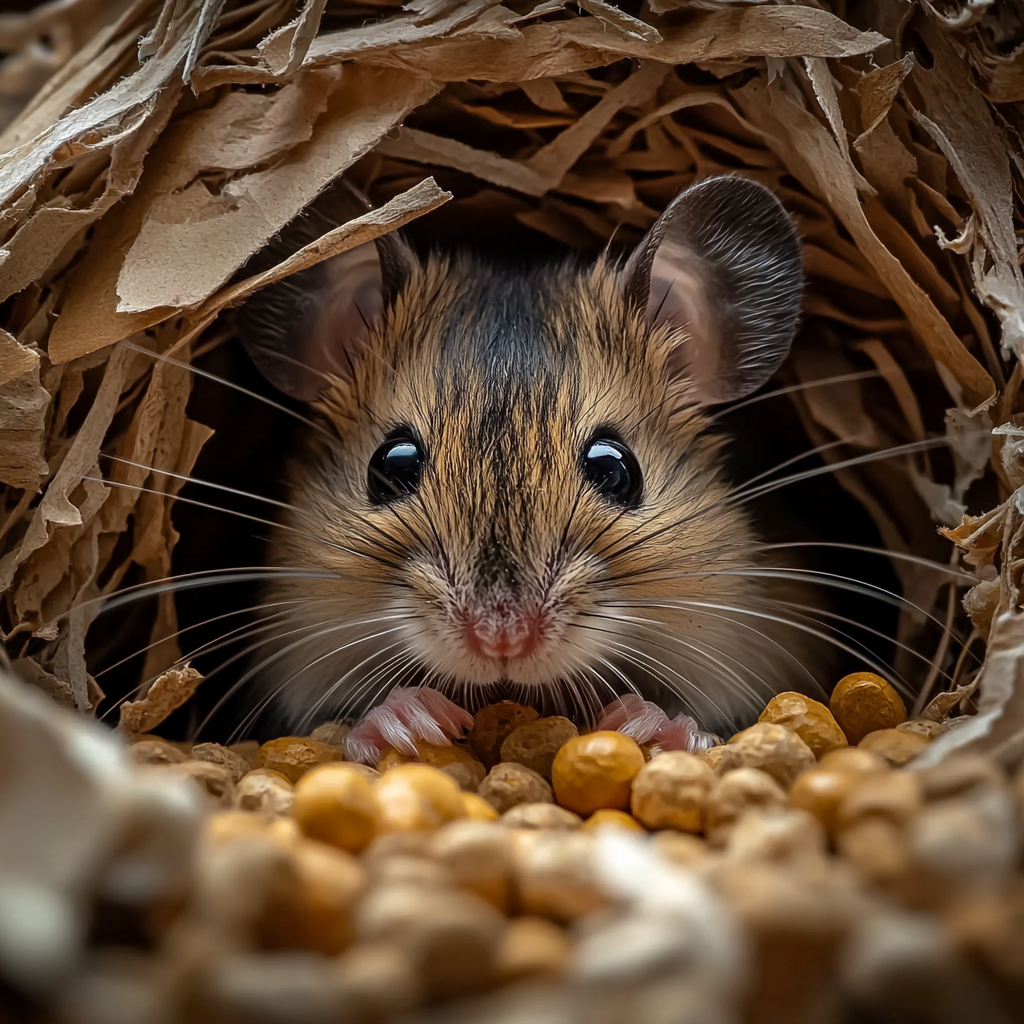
x=517 y=485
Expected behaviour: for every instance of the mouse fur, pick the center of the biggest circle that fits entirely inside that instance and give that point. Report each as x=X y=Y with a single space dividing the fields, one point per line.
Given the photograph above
x=502 y=376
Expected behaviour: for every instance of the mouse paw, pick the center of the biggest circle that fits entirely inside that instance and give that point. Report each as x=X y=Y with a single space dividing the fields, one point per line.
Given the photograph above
x=645 y=722
x=408 y=715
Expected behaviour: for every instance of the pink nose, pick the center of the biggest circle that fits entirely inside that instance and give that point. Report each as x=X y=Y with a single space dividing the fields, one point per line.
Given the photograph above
x=498 y=634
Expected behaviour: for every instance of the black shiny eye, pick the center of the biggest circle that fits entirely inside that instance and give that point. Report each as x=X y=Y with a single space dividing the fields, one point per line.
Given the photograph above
x=612 y=470
x=395 y=469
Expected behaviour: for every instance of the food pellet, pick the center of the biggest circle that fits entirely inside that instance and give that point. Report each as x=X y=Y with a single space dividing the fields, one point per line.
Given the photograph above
x=492 y=725
x=507 y=785
x=416 y=797
x=595 y=771
x=863 y=702
x=293 y=756
x=772 y=748
x=672 y=792
x=606 y=818
x=536 y=743
x=809 y=719
x=737 y=793
x=894 y=746
x=336 y=804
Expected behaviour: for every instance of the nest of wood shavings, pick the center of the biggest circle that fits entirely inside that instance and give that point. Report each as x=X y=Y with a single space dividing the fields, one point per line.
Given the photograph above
x=151 y=148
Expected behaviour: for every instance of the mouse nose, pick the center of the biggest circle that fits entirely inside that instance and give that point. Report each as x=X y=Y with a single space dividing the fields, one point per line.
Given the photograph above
x=501 y=633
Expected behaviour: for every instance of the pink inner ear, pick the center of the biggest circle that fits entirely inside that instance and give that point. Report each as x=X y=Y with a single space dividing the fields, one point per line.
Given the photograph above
x=678 y=298
x=354 y=303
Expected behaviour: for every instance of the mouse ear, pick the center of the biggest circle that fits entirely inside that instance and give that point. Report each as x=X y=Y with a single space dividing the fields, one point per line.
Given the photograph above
x=722 y=264
x=315 y=323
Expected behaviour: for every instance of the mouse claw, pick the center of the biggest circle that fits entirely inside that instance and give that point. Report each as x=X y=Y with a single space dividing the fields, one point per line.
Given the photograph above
x=408 y=715
x=645 y=722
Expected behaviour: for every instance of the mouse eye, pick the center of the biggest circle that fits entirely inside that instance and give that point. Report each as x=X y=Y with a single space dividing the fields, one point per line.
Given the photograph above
x=612 y=470
x=395 y=469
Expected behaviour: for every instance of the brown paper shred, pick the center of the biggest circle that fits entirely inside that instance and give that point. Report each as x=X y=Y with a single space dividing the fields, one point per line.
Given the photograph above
x=878 y=89
x=417 y=201
x=23 y=405
x=15 y=358
x=961 y=123
x=160 y=269
x=166 y=694
x=801 y=141
x=997 y=730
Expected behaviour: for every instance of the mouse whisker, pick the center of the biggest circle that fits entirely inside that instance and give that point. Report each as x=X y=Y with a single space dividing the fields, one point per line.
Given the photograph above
x=354 y=695
x=670 y=637
x=816 y=577
x=742 y=496
x=790 y=389
x=749 y=612
x=243 y=515
x=648 y=663
x=203 y=483
x=902 y=556
x=282 y=652
x=181 y=662
x=810 y=611
x=234 y=387
x=698 y=647
x=360 y=666
x=197 y=625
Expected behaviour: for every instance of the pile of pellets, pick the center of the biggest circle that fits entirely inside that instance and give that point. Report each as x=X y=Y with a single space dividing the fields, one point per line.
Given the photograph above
x=804 y=870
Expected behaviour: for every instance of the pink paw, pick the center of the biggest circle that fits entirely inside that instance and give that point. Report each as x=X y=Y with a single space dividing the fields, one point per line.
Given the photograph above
x=409 y=714
x=647 y=723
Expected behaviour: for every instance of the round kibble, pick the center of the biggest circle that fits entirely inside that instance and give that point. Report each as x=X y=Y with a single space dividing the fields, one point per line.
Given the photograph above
x=772 y=748
x=777 y=835
x=508 y=785
x=477 y=808
x=214 y=780
x=606 y=818
x=331 y=733
x=556 y=876
x=455 y=760
x=316 y=911
x=478 y=856
x=416 y=797
x=712 y=756
x=335 y=804
x=672 y=792
x=293 y=756
x=540 y=816
x=735 y=794
x=265 y=792
x=536 y=743
x=853 y=759
x=864 y=702
x=809 y=719
x=596 y=770
x=680 y=848
x=894 y=796
x=154 y=751
x=532 y=948
x=894 y=746
x=820 y=792
x=492 y=725
x=214 y=753
x=922 y=726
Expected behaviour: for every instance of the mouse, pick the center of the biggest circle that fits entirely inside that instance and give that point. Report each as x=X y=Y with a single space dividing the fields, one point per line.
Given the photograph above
x=511 y=484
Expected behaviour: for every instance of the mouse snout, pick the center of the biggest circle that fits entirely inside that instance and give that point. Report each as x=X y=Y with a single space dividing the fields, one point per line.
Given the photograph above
x=499 y=632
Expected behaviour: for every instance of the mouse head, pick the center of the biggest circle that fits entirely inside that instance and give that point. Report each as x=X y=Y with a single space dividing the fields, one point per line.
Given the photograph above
x=519 y=485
